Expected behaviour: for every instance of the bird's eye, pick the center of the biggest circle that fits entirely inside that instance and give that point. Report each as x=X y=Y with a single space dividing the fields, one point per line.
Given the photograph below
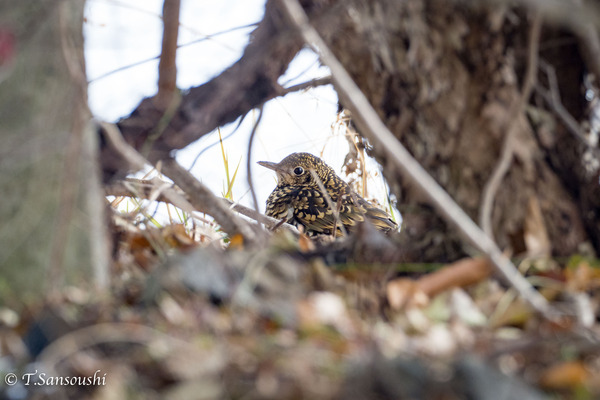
x=298 y=171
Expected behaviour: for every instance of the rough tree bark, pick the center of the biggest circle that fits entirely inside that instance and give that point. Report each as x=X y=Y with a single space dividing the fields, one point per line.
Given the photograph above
x=51 y=208
x=444 y=78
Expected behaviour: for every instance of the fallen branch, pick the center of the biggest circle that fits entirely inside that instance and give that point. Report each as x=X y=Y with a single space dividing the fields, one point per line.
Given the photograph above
x=462 y=273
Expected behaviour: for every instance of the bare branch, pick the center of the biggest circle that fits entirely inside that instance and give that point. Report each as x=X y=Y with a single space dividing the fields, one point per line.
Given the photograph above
x=127 y=152
x=167 y=67
x=154 y=189
x=307 y=85
x=372 y=127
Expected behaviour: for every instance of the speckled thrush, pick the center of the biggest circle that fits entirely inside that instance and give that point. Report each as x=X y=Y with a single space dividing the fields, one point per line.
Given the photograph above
x=299 y=200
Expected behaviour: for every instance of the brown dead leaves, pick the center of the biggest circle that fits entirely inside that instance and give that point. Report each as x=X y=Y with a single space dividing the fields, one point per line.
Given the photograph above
x=279 y=322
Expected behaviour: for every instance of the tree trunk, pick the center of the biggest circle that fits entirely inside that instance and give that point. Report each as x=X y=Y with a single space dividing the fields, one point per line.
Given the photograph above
x=446 y=79
x=51 y=208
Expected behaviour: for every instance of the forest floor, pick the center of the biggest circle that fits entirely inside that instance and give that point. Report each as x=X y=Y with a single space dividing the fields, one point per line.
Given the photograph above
x=188 y=316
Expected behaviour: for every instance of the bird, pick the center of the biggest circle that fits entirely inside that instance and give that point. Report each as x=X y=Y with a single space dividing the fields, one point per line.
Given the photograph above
x=299 y=200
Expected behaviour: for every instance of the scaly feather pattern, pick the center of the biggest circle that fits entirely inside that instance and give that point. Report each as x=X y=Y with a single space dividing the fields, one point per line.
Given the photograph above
x=299 y=200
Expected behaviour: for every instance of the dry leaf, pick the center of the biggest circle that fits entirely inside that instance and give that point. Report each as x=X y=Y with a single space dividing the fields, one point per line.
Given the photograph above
x=236 y=242
x=566 y=375
x=583 y=277
x=462 y=273
x=176 y=236
x=305 y=243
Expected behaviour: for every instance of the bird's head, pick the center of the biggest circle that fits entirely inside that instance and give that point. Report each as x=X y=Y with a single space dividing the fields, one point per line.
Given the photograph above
x=295 y=169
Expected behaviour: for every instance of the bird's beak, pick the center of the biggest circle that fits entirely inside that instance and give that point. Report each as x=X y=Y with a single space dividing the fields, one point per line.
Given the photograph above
x=271 y=165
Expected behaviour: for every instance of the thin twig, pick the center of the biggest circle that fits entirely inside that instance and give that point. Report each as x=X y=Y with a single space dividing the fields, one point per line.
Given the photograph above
x=147 y=60
x=334 y=207
x=552 y=97
x=307 y=85
x=581 y=18
x=271 y=223
x=372 y=127
x=493 y=184
x=508 y=147
x=249 y=157
x=562 y=113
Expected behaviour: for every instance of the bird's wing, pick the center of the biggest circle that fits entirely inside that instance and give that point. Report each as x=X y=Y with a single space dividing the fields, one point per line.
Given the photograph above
x=381 y=219
x=312 y=211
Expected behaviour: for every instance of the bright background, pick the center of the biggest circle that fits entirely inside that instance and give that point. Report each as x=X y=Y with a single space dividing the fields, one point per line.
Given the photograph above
x=126 y=33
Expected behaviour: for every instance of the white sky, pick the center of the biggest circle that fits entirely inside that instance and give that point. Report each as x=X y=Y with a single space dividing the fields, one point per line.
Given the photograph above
x=124 y=32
